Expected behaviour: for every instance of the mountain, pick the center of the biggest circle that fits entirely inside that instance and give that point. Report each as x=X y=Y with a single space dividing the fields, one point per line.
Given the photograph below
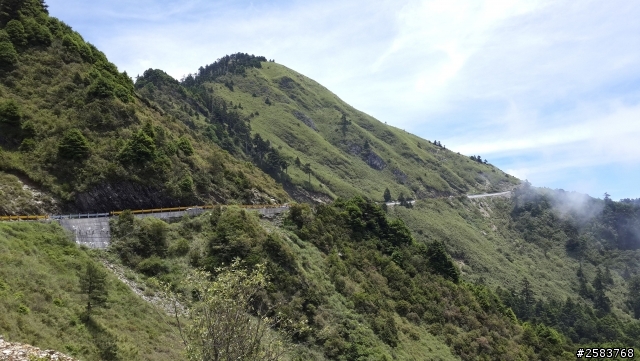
x=73 y=127
x=302 y=122
x=533 y=276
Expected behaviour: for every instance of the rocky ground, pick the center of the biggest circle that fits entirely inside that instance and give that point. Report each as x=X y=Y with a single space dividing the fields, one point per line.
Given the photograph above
x=13 y=351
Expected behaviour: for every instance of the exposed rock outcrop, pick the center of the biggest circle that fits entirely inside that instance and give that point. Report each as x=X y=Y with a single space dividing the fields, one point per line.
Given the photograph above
x=305 y=119
x=123 y=195
x=374 y=161
x=14 y=351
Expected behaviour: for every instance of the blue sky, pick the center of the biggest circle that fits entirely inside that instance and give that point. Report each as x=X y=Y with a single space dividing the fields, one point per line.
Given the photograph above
x=548 y=91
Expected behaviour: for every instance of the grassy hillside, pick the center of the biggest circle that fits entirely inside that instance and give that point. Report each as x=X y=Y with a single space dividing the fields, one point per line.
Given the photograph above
x=365 y=287
x=283 y=121
x=73 y=126
x=541 y=245
x=41 y=302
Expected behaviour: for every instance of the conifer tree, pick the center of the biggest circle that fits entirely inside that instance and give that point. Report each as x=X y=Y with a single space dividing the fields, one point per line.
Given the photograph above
x=93 y=284
x=387 y=195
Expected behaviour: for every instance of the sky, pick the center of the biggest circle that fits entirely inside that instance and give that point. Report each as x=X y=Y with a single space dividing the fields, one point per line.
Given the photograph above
x=548 y=91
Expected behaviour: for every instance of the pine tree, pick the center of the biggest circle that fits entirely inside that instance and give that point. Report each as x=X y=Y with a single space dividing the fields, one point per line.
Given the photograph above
x=387 y=195
x=73 y=146
x=527 y=300
x=634 y=296
x=401 y=199
x=440 y=262
x=600 y=299
x=93 y=284
x=307 y=169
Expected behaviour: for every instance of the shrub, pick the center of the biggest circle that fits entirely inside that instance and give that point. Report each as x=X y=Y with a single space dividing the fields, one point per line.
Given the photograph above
x=101 y=88
x=37 y=34
x=440 y=262
x=122 y=93
x=10 y=113
x=24 y=310
x=135 y=240
x=186 y=184
x=27 y=145
x=16 y=32
x=185 y=146
x=8 y=55
x=139 y=149
x=179 y=248
x=73 y=146
x=153 y=266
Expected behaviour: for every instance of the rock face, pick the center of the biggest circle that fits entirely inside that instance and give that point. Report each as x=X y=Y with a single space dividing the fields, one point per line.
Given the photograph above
x=13 y=351
x=18 y=196
x=401 y=177
x=374 y=161
x=305 y=119
x=123 y=195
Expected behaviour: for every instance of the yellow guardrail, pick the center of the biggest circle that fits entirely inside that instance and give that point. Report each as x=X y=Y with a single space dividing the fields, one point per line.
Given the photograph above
x=23 y=218
x=140 y=211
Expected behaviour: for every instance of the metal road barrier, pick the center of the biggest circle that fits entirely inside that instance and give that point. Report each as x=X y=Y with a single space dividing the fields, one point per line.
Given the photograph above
x=137 y=211
x=23 y=218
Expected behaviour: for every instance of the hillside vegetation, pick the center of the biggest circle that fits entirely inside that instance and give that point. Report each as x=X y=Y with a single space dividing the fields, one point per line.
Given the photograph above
x=366 y=289
x=73 y=125
x=529 y=277
x=333 y=148
x=41 y=302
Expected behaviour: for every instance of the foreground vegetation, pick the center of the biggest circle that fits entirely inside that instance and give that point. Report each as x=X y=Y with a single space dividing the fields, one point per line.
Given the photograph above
x=365 y=288
x=42 y=302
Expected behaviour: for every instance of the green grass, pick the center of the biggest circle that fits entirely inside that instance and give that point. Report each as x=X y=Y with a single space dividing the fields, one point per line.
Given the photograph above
x=52 y=87
x=478 y=235
x=40 y=302
x=429 y=170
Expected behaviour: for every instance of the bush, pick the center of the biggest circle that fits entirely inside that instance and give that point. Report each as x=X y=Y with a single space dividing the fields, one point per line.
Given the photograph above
x=139 y=150
x=186 y=184
x=73 y=146
x=37 y=34
x=8 y=55
x=122 y=93
x=185 y=146
x=138 y=239
x=440 y=262
x=153 y=266
x=16 y=32
x=27 y=145
x=179 y=248
x=10 y=113
x=101 y=88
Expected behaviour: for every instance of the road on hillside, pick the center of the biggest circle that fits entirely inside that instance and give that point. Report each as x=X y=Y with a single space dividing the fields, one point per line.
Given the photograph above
x=470 y=196
x=398 y=203
x=487 y=195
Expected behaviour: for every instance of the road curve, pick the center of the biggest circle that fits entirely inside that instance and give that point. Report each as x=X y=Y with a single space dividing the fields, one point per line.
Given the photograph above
x=488 y=195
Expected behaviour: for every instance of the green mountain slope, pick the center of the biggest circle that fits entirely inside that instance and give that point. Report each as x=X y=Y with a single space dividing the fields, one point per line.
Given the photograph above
x=302 y=123
x=537 y=278
x=364 y=286
x=73 y=126
x=41 y=302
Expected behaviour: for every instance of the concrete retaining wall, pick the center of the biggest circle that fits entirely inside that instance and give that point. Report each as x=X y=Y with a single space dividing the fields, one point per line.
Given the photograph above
x=91 y=232
x=96 y=233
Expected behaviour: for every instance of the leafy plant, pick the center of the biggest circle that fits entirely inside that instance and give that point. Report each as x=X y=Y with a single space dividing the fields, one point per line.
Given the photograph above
x=73 y=146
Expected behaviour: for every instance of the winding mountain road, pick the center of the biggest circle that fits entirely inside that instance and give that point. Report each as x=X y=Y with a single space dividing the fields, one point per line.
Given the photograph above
x=470 y=196
x=501 y=194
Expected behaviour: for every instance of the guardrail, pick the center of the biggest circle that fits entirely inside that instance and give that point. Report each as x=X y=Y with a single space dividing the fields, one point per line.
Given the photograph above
x=23 y=218
x=137 y=211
